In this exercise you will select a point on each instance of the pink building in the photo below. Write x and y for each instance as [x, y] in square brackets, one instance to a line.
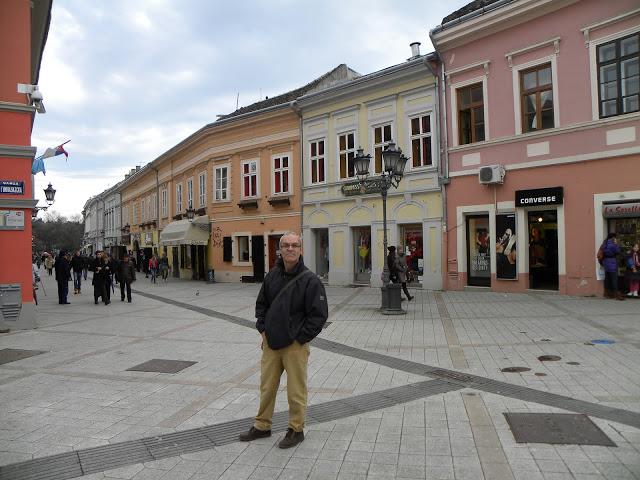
[541, 107]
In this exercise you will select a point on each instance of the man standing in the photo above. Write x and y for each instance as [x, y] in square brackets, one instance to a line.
[291, 309]
[126, 275]
[77, 264]
[100, 272]
[63, 275]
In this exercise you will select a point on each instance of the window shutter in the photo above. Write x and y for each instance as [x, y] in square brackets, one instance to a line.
[226, 249]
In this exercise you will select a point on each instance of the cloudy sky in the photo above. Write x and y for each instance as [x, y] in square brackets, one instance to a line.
[125, 81]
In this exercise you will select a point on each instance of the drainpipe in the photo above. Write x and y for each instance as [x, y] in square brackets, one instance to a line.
[157, 207]
[295, 108]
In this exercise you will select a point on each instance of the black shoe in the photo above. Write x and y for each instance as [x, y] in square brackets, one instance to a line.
[254, 434]
[291, 439]
[107, 302]
[410, 298]
[96, 302]
[129, 300]
[122, 299]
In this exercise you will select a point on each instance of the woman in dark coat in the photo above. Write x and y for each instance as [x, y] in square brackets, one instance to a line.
[100, 275]
[126, 275]
[610, 264]
[63, 275]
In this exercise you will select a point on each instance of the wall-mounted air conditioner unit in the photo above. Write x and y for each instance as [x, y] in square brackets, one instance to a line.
[491, 174]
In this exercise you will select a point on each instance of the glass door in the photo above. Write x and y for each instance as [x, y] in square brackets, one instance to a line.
[362, 254]
[478, 251]
[322, 253]
[411, 236]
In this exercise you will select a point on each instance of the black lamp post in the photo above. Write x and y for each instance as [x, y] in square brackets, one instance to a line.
[50, 194]
[394, 164]
[191, 213]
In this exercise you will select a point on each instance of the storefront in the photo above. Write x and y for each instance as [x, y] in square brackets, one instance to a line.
[188, 240]
[623, 218]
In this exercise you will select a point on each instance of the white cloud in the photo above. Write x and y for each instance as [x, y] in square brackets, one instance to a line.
[141, 20]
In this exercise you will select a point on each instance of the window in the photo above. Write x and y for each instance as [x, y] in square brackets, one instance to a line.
[536, 98]
[190, 193]
[316, 158]
[346, 153]
[250, 178]
[381, 136]
[164, 203]
[154, 206]
[221, 185]
[202, 185]
[421, 141]
[142, 211]
[149, 217]
[281, 174]
[178, 198]
[243, 248]
[135, 214]
[470, 114]
[619, 76]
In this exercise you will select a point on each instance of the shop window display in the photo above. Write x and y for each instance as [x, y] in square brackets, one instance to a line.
[628, 234]
[413, 248]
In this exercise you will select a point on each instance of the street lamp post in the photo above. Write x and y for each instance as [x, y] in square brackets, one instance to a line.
[50, 194]
[190, 213]
[394, 163]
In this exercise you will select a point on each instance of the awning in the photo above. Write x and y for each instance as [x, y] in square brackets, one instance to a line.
[184, 232]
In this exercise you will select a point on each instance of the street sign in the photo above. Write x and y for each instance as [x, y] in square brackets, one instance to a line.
[11, 187]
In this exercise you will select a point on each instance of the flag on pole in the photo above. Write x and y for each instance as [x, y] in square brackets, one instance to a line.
[38, 162]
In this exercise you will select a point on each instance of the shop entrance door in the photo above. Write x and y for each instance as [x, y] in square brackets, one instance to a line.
[543, 250]
[411, 236]
[322, 252]
[274, 250]
[257, 257]
[478, 251]
[175, 268]
[362, 255]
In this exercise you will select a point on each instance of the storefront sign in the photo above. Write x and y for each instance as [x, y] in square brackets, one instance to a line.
[148, 238]
[506, 246]
[621, 210]
[539, 196]
[11, 220]
[354, 188]
[11, 187]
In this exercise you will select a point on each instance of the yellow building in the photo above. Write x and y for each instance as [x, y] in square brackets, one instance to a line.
[342, 227]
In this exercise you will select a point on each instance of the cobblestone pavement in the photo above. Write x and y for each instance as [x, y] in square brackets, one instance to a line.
[79, 395]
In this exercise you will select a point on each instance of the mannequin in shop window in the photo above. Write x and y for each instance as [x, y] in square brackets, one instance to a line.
[537, 255]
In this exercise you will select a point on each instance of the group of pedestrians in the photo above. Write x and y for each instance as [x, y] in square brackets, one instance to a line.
[608, 255]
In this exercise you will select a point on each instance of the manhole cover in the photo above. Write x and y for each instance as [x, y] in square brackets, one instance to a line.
[556, 428]
[603, 341]
[162, 366]
[515, 369]
[573, 363]
[8, 355]
[549, 358]
[540, 374]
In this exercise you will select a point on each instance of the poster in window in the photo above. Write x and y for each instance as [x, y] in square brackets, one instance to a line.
[506, 253]
[479, 252]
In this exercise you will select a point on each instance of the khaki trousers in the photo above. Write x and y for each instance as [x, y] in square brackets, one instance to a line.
[292, 359]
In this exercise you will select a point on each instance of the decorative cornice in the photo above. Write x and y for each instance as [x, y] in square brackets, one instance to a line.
[16, 107]
[17, 151]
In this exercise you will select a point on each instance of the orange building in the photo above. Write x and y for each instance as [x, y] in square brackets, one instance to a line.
[23, 33]
[239, 177]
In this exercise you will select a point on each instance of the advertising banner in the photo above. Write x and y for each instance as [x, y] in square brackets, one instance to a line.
[506, 256]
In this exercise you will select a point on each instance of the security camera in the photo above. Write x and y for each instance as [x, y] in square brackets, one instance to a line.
[39, 106]
[36, 95]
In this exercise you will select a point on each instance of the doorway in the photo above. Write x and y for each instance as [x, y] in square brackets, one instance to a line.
[274, 250]
[362, 255]
[478, 251]
[322, 252]
[543, 249]
[412, 244]
[257, 257]
[175, 260]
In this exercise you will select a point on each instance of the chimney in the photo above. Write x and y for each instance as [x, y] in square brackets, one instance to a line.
[415, 50]
[138, 166]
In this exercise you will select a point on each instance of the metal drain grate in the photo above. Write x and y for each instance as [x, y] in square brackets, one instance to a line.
[556, 428]
[160, 365]
[106, 457]
[8, 355]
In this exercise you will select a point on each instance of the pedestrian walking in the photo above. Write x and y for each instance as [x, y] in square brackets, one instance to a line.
[633, 271]
[86, 265]
[291, 309]
[100, 273]
[392, 265]
[48, 264]
[63, 276]
[153, 268]
[610, 263]
[402, 267]
[126, 275]
[77, 264]
[164, 267]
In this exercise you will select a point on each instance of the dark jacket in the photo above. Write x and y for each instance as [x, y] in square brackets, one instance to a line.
[611, 252]
[100, 270]
[77, 263]
[298, 314]
[63, 271]
[126, 272]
